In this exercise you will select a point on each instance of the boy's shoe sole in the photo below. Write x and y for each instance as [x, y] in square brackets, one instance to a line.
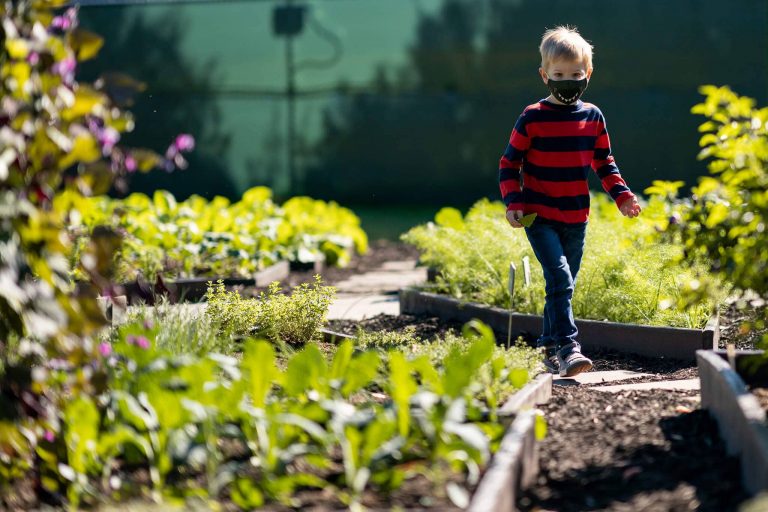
[577, 367]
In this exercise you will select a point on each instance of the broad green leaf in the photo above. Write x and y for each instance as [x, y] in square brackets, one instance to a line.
[85, 44]
[460, 368]
[341, 360]
[111, 444]
[21, 71]
[402, 387]
[84, 149]
[362, 369]
[82, 430]
[17, 48]
[260, 370]
[518, 377]
[381, 439]
[717, 214]
[307, 370]
[429, 375]
[86, 99]
[146, 160]
[246, 495]
[527, 220]
[164, 202]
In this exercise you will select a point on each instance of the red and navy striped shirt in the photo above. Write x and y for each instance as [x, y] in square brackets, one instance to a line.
[555, 146]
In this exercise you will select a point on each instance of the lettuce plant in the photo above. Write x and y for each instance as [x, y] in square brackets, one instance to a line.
[197, 237]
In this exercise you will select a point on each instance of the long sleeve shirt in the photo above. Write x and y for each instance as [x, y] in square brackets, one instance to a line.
[553, 147]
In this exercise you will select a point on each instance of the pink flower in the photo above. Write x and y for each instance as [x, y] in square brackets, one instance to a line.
[130, 164]
[184, 142]
[140, 341]
[108, 137]
[66, 21]
[48, 436]
[105, 349]
[33, 58]
[65, 68]
[148, 323]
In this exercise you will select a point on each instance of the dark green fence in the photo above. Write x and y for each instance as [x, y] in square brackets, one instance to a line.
[412, 102]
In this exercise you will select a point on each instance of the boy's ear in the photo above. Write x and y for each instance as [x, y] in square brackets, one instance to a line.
[589, 73]
[543, 75]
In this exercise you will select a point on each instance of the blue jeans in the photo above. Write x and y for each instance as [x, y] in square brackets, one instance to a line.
[559, 248]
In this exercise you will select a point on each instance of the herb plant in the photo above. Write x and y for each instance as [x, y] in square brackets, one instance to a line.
[279, 317]
[627, 273]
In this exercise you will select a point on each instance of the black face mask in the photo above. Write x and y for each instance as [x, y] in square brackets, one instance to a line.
[567, 91]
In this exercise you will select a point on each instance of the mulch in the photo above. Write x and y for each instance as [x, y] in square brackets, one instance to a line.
[632, 451]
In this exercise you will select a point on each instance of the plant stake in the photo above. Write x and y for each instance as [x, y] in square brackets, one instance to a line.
[512, 270]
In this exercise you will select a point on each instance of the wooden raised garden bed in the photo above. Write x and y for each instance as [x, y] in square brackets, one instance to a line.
[515, 465]
[670, 342]
[193, 289]
[740, 417]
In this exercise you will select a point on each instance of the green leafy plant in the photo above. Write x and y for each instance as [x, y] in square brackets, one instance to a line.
[197, 237]
[60, 137]
[385, 340]
[725, 219]
[181, 329]
[312, 423]
[628, 274]
[279, 317]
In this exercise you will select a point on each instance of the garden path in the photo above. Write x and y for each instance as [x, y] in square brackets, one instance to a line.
[375, 292]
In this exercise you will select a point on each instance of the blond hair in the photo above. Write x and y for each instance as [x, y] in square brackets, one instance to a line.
[564, 42]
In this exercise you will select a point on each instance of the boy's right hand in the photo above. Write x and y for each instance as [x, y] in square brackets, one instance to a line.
[513, 216]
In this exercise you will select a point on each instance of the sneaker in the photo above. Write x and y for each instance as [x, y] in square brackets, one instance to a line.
[573, 363]
[550, 359]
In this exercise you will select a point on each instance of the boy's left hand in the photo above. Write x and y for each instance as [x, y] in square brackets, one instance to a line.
[630, 207]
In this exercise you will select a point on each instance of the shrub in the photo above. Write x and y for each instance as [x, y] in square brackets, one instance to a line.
[726, 219]
[724, 222]
[281, 318]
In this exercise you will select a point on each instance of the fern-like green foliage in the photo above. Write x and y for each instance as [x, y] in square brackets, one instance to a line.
[627, 273]
[279, 317]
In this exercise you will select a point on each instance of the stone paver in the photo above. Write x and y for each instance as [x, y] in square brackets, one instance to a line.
[390, 277]
[687, 384]
[598, 377]
[358, 307]
[375, 293]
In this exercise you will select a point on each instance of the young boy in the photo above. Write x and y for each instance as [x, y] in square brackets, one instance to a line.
[554, 143]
